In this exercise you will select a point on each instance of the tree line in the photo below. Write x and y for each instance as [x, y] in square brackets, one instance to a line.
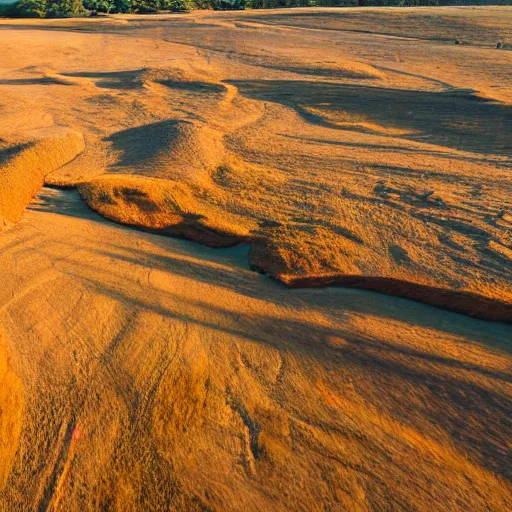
[74, 8]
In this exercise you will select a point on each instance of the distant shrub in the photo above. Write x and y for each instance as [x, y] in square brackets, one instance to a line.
[24, 9]
[105, 6]
[44, 9]
[64, 8]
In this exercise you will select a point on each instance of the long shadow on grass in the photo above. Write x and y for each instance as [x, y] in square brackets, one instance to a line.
[476, 418]
[33, 81]
[455, 119]
[235, 275]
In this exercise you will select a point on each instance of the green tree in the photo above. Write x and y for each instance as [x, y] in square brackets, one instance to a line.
[24, 9]
[64, 8]
[173, 5]
[100, 5]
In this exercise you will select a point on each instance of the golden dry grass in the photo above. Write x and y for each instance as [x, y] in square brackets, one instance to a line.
[163, 207]
[11, 413]
[161, 375]
[24, 165]
[372, 158]
[145, 373]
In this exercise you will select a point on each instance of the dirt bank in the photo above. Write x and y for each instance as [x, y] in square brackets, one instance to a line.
[24, 165]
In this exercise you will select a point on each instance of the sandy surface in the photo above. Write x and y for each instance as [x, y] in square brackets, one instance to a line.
[142, 372]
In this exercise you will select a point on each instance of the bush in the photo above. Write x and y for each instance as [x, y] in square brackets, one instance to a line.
[100, 5]
[44, 9]
[64, 8]
[24, 9]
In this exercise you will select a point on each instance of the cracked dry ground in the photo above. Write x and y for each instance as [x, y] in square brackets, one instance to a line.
[145, 373]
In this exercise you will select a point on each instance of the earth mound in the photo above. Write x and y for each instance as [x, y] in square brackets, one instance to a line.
[24, 165]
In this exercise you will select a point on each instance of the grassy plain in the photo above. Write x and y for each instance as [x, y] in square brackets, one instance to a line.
[360, 146]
